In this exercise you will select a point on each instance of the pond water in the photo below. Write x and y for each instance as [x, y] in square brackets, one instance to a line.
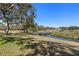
[56, 37]
[49, 36]
[59, 38]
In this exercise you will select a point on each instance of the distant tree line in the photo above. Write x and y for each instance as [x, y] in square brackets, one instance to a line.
[69, 28]
[42, 27]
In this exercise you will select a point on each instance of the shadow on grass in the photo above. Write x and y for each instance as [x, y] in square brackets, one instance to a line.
[6, 40]
[42, 48]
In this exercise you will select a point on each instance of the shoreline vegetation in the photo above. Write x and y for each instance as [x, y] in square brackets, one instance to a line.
[70, 35]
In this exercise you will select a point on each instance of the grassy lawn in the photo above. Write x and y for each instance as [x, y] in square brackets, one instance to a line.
[9, 49]
[36, 45]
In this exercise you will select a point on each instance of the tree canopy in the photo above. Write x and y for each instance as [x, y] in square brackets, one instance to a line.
[14, 13]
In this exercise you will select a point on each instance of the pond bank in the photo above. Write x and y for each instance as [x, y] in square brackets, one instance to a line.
[43, 38]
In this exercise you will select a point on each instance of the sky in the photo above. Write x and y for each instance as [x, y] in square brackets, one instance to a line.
[57, 14]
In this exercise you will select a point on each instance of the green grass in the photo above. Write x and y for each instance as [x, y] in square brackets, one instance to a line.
[9, 49]
[9, 46]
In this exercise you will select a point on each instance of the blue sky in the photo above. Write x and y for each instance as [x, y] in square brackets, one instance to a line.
[57, 14]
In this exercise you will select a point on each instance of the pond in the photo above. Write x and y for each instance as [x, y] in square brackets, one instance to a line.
[60, 38]
[57, 38]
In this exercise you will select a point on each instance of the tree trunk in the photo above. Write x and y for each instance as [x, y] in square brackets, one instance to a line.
[7, 23]
[26, 31]
[7, 28]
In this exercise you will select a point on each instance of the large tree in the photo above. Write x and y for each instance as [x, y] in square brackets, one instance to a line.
[23, 12]
[27, 17]
[6, 10]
